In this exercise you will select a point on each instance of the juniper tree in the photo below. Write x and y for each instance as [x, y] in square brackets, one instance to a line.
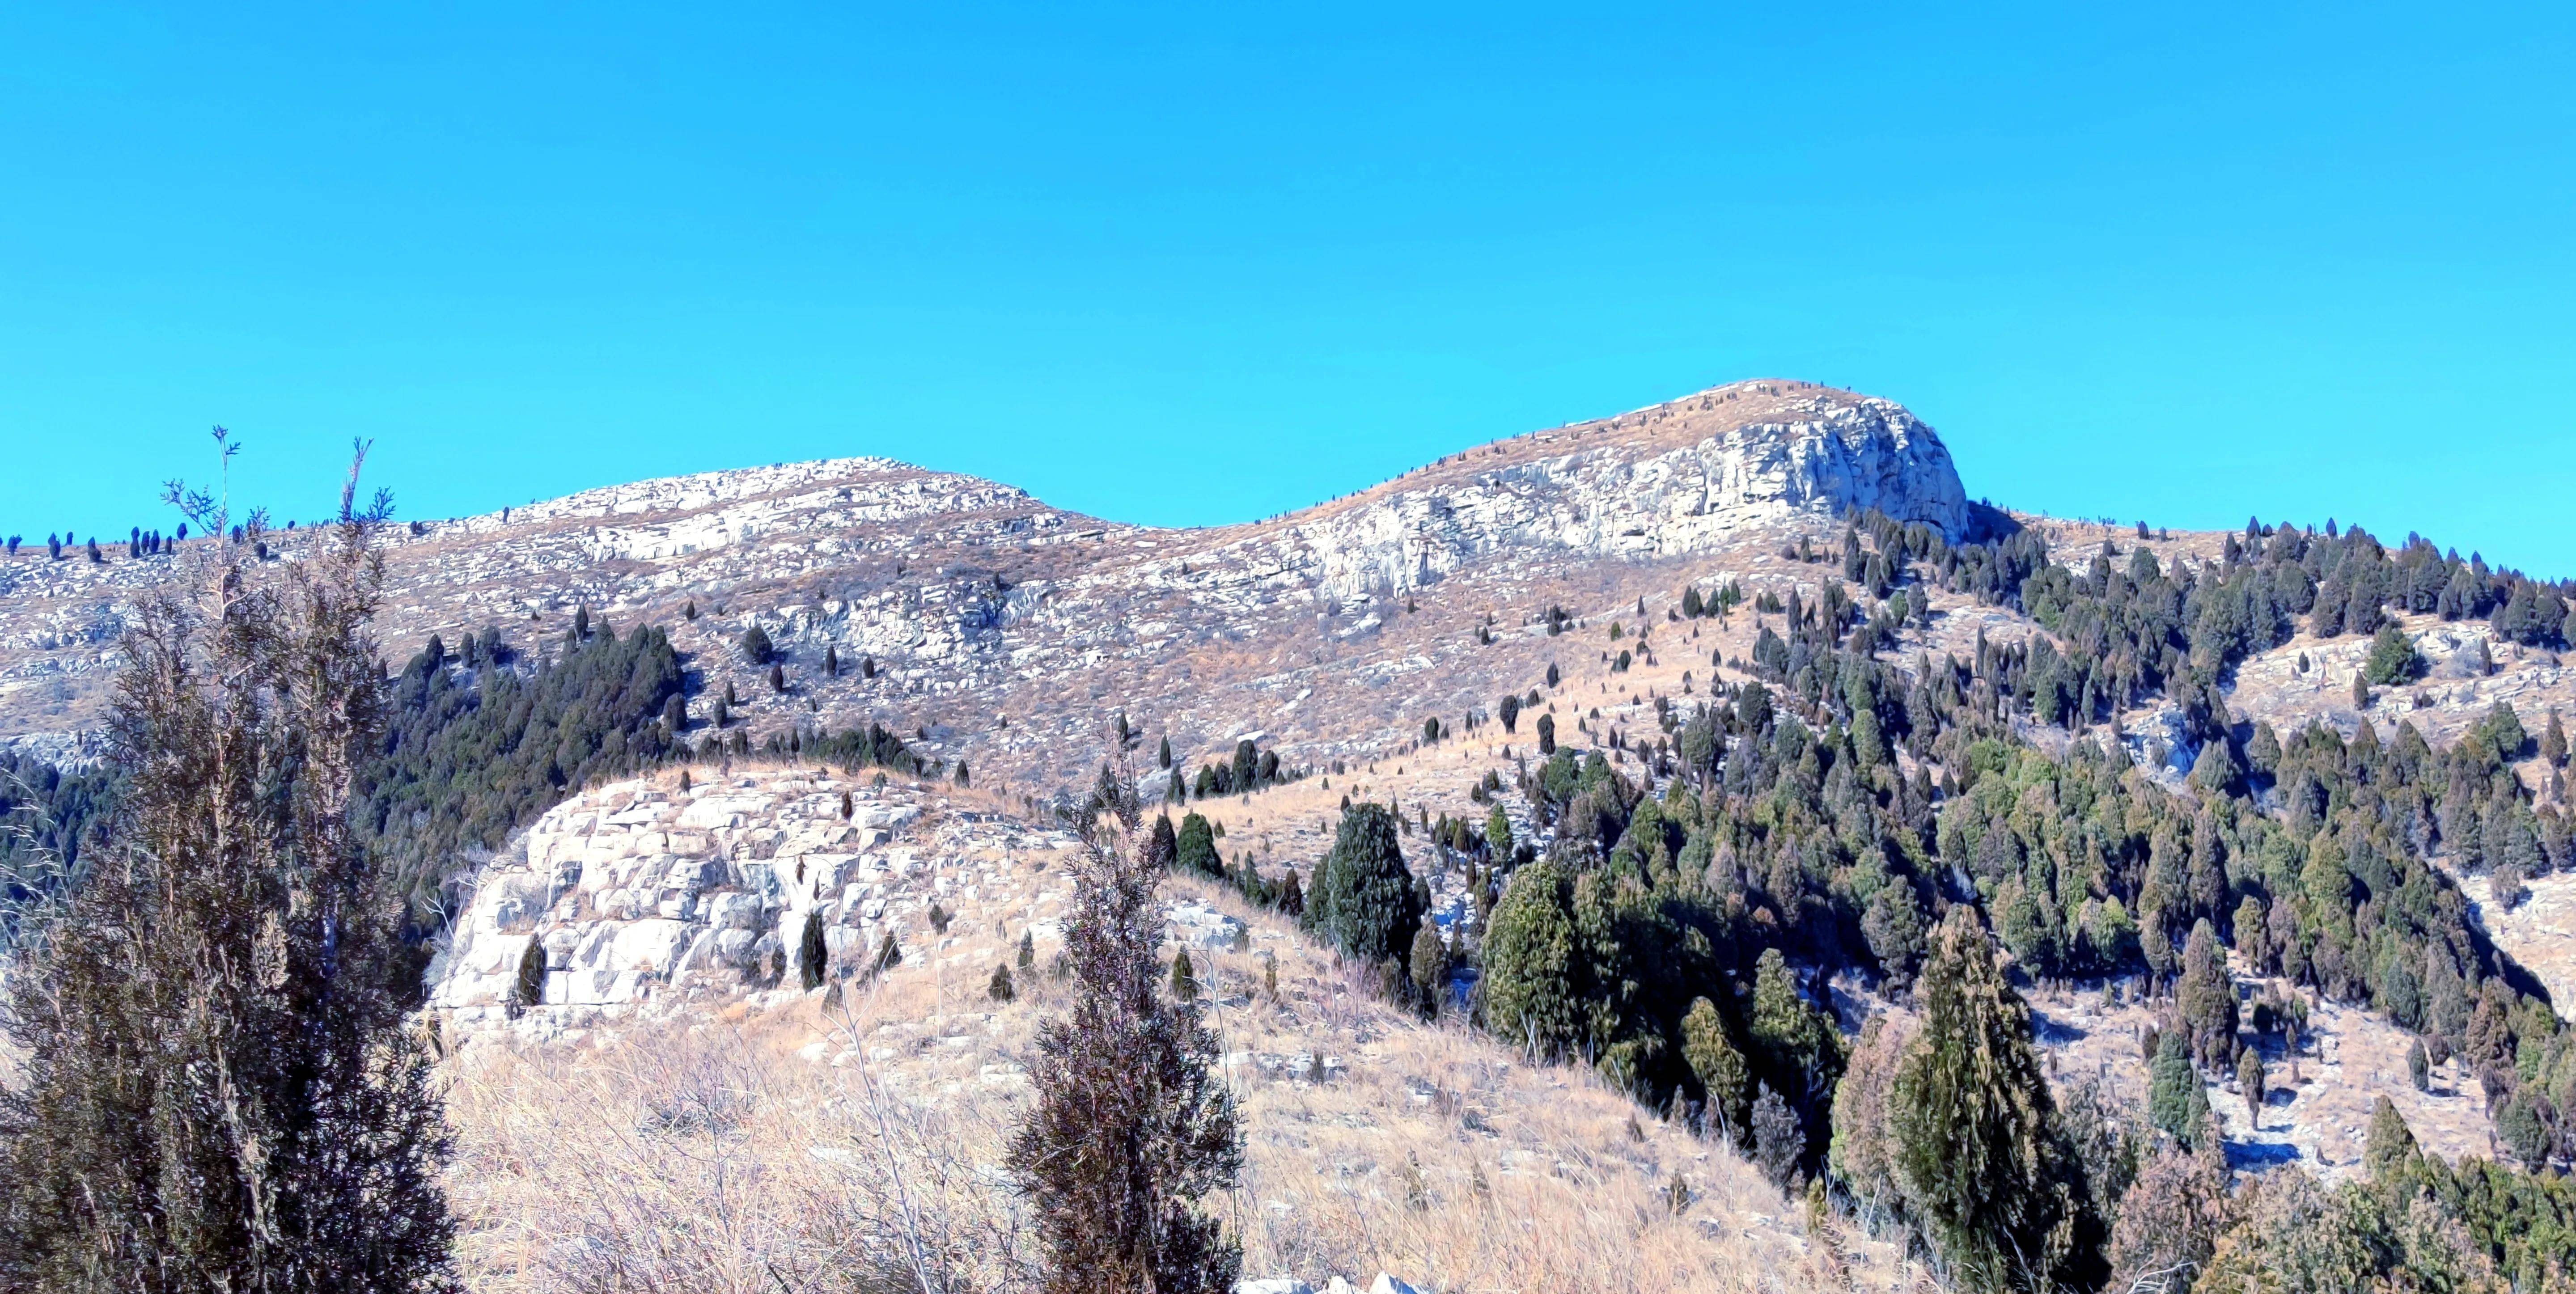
[1976, 1131]
[812, 958]
[756, 646]
[216, 1088]
[1131, 1128]
[1364, 898]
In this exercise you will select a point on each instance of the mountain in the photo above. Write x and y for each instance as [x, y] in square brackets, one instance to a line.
[979, 606]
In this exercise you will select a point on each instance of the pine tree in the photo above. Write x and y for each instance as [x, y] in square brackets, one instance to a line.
[1000, 988]
[1975, 1129]
[1185, 979]
[2249, 1083]
[1163, 756]
[756, 646]
[2393, 660]
[1509, 711]
[1547, 734]
[1131, 1128]
[215, 1085]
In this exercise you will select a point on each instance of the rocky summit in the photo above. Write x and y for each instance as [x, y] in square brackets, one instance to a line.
[996, 630]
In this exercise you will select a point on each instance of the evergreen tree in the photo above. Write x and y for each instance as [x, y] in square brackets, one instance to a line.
[1163, 757]
[2249, 1084]
[2393, 661]
[756, 646]
[1185, 979]
[812, 959]
[1428, 966]
[1975, 1129]
[1000, 988]
[2389, 1142]
[1547, 734]
[2206, 997]
[215, 1086]
[1724, 1080]
[1509, 711]
[2177, 1104]
[1194, 848]
[1364, 898]
[1131, 1127]
[1529, 962]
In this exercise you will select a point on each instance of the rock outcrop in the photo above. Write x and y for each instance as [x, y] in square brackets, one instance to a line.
[643, 895]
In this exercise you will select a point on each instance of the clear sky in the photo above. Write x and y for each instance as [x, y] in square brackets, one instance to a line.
[1195, 264]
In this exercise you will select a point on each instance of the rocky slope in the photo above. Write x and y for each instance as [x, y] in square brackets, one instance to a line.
[668, 1119]
[1006, 629]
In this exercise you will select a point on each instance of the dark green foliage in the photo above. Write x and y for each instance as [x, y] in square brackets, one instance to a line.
[1509, 711]
[529, 988]
[1185, 979]
[1363, 902]
[48, 818]
[466, 759]
[2419, 1067]
[812, 958]
[1131, 1127]
[1976, 1135]
[1427, 965]
[1000, 988]
[1547, 734]
[2177, 1104]
[2393, 661]
[1028, 955]
[1193, 847]
[756, 647]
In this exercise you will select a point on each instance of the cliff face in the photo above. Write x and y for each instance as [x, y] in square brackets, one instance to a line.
[1630, 497]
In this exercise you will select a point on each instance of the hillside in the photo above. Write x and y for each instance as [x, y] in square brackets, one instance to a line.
[1700, 729]
[714, 1115]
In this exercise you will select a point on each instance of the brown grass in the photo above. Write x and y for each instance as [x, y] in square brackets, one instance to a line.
[784, 1147]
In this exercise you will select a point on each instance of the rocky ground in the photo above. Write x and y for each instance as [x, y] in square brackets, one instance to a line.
[2318, 1100]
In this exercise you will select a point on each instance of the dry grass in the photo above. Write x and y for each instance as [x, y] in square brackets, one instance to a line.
[784, 1147]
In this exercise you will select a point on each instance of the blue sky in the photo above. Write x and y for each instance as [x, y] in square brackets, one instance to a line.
[1194, 264]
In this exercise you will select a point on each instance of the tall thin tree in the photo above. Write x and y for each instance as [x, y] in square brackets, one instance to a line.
[1132, 1127]
[217, 1088]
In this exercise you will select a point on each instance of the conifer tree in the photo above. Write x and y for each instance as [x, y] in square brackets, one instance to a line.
[1975, 1129]
[216, 1088]
[1428, 967]
[2176, 1103]
[1715, 1061]
[812, 958]
[1131, 1127]
[1364, 899]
